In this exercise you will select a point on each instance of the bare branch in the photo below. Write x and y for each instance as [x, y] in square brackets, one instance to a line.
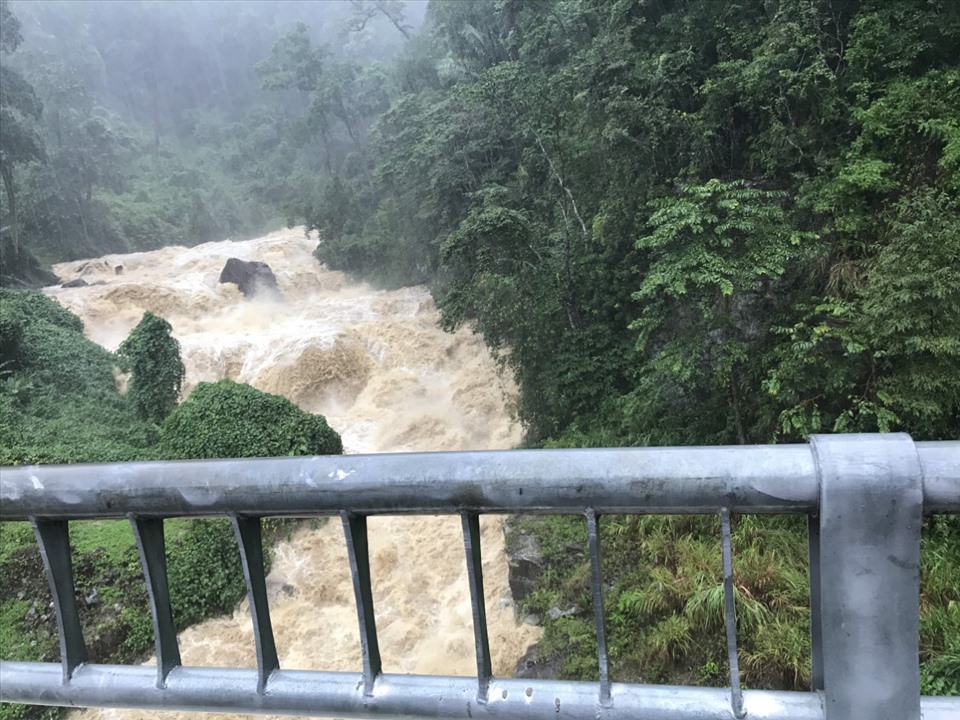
[556, 174]
[366, 10]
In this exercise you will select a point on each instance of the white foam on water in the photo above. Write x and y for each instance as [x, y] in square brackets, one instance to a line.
[377, 365]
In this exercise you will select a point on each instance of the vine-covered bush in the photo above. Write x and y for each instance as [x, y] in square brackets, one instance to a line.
[230, 420]
[11, 336]
[153, 358]
[58, 396]
[37, 306]
[205, 574]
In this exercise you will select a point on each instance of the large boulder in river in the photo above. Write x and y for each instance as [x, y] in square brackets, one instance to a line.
[250, 276]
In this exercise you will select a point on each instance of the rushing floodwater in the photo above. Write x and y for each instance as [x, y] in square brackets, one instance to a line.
[376, 364]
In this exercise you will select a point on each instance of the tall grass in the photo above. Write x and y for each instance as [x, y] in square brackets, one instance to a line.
[664, 599]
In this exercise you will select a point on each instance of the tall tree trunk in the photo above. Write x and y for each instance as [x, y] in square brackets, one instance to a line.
[325, 136]
[735, 405]
[156, 119]
[83, 223]
[395, 20]
[573, 310]
[734, 378]
[345, 117]
[7, 171]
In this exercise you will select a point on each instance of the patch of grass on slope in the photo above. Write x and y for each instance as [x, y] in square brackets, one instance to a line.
[664, 600]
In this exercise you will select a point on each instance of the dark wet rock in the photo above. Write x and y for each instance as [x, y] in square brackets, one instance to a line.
[525, 562]
[535, 666]
[75, 283]
[118, 270]
[252, 277]
[94, 267]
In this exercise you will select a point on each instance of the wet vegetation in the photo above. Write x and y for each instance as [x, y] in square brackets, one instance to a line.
[59, 403]
[204, 575]
[677, 222]
[664, 600]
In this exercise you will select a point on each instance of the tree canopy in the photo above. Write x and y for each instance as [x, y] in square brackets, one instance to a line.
[681, 222]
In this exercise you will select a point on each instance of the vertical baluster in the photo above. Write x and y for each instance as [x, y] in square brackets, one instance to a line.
[730, 616]
[593, 536]
[148, 532]
[816, 619]
[471, 540]
[53, 537]
[250, 541]
[358, 548]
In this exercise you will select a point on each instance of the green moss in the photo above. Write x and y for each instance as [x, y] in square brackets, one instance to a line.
[204, 572]
[13, 535]
[112, 538]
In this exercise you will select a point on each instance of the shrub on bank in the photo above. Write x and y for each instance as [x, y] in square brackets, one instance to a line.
[231, 420]
[152, 355]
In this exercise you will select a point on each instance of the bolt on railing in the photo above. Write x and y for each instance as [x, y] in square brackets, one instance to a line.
[864, 495]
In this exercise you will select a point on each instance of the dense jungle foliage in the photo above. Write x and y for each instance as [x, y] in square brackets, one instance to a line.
[152, 357]
[675, 221]
[689, 222]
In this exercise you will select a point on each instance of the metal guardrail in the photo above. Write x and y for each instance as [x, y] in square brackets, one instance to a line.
[864, 496]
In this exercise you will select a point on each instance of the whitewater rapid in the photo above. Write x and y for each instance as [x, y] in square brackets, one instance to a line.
[376, 364]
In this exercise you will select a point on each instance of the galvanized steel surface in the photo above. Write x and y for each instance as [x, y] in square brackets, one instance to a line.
[940, 462]
[413, 696]
[871, 500]
[869, 491]
[304, 693]
[764, 478]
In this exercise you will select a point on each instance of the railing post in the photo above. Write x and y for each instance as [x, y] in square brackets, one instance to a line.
[871, 503]
[148, 533]
[358, 550]
[53, 536]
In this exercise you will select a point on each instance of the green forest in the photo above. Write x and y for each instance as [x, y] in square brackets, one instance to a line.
[676, 222]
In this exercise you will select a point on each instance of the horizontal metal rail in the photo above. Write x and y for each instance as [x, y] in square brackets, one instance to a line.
[746, 479]
[864, 494]
[298, 692]
[295, 692]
